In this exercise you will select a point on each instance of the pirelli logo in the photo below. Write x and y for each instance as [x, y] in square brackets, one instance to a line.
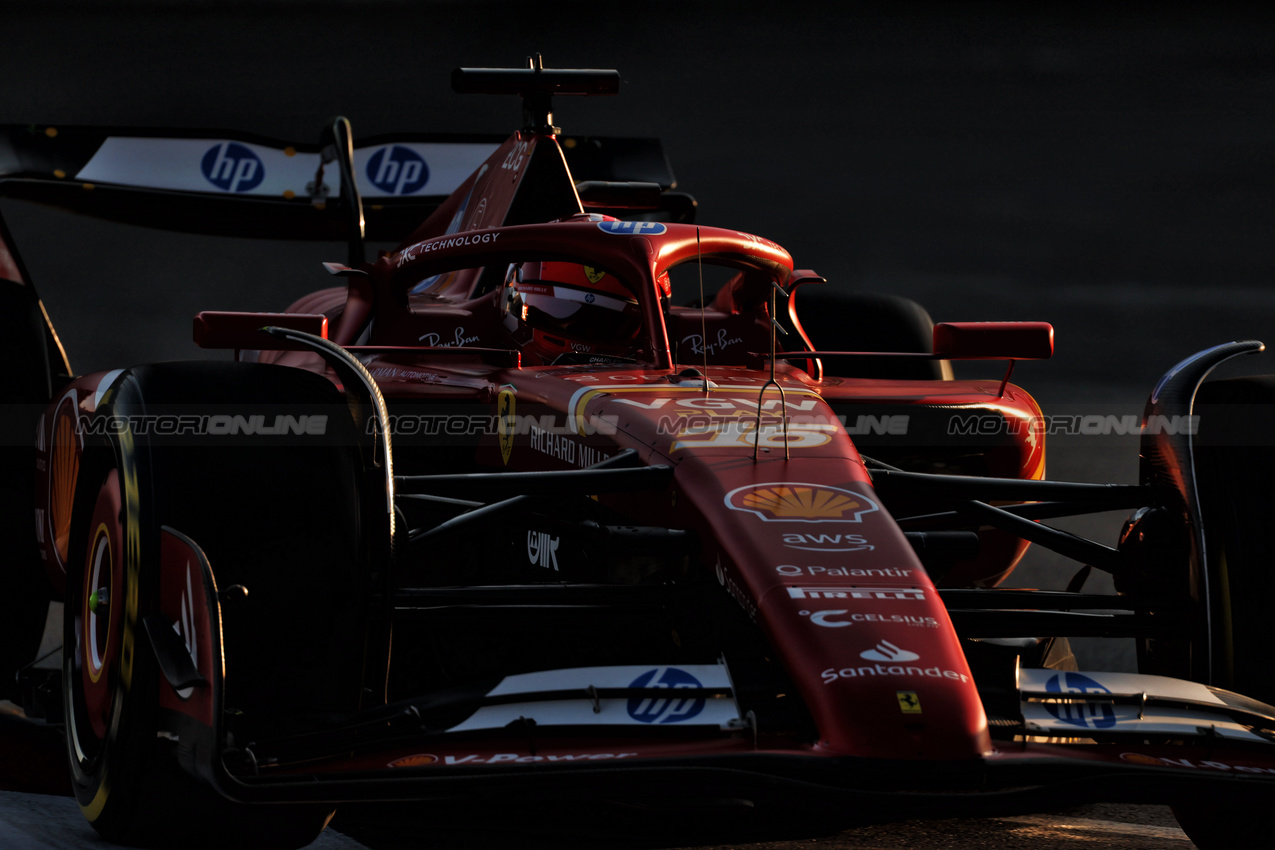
[915, 594]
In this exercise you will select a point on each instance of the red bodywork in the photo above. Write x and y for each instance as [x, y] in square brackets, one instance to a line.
[766, 474]
[879, 592]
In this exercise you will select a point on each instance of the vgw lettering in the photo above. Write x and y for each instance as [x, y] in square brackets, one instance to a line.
[740, 405]
[733, 433]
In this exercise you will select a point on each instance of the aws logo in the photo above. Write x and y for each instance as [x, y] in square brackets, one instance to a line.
[397, 170]
[795, 502]
[232, 167]
[828, 542]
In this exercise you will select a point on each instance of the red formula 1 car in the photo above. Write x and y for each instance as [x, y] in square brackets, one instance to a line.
[561, 499]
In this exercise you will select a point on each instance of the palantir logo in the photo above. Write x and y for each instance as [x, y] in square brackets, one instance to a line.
[1097, 715]
[661, 709]
[397, 170]
[232, 167]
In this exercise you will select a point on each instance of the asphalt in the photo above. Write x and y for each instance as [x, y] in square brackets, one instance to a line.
[47, 822]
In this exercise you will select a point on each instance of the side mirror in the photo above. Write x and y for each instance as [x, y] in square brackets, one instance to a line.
[216, 329]
[994, 340]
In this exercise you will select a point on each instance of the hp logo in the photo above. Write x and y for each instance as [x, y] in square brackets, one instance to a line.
[633, 228]
[1095, 715]
[397, 170]
[232, 167]
[665, 709]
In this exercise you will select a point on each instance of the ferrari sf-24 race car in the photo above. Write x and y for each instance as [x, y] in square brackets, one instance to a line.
[564, 498]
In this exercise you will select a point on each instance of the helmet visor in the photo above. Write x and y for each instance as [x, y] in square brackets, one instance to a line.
[577, 314]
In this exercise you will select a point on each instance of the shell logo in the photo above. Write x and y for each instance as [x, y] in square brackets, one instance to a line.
[798, 502]
[418, 760]
[1140, 758]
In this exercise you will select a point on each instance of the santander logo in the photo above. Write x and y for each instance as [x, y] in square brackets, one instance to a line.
[886, 651]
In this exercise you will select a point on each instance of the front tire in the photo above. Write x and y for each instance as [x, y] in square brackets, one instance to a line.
[1234, 461]
[1223, 825]
[858, 321]
[278, 517]
[30, 377]
[1235, 465]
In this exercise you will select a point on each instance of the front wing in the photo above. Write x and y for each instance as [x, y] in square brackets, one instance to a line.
[663, 733]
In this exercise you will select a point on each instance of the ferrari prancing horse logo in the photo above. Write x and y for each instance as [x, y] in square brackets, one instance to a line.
[505, 423]
[909, 703]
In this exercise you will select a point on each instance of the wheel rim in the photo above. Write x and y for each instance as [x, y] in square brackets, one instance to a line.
[98, 622]
[64, 464]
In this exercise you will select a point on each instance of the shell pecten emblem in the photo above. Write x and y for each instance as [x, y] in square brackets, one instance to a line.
[782, 501]
[417, 760]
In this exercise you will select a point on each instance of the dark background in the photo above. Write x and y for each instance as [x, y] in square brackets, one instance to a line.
[1107, 171]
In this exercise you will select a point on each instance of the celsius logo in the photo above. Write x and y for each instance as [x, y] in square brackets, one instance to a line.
[824, 618]
[660, 709]
[232, 167]
[886, 651]
[397, 170]
[632, 228]
[1097, 715]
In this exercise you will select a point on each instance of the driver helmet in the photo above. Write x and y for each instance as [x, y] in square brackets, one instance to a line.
[555, 308]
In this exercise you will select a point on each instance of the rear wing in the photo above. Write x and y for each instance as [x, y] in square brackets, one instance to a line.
[383, 188]
[237, 184]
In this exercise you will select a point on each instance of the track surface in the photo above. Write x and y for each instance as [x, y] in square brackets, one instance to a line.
[39, 822]
[1110, 173]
